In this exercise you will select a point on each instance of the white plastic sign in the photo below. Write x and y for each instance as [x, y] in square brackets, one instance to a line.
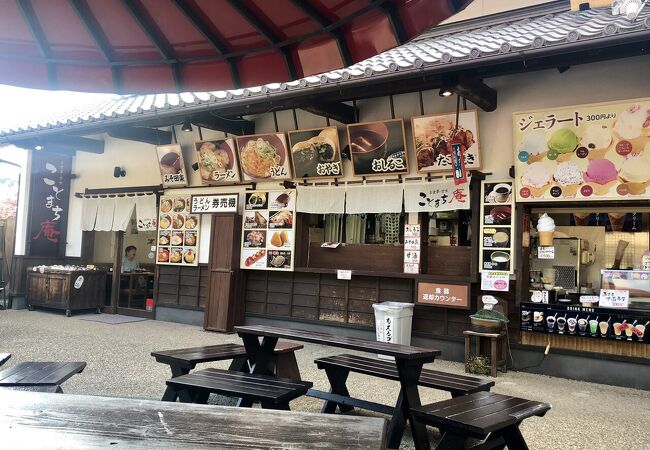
[546, 253]
[344, 274]
[614, 298]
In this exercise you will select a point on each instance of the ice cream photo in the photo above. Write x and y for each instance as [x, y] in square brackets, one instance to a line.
[537, 178]
[633, 126]
[602, 175]
[569, 176]
[635, 172]
[546, 230]
[563, 143]
[534, 144]
[597, 139]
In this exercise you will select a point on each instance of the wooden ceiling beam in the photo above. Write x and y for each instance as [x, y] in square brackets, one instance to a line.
[336, 111]
[477, 92]
[61, 143]
[147, 135]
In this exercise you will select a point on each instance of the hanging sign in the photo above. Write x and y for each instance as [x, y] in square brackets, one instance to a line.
[435, 197]
[172, 165]
[412, 244]
[269, 230]
[214, 203]
[48, 203]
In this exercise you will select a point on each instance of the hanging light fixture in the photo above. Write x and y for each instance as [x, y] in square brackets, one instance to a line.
[446, 90]
[187, 125]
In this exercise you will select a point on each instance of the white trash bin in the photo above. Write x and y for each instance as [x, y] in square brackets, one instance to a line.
[393, 322]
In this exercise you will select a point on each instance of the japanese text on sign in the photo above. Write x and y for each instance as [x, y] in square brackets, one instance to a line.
[175, 178]
[436, 197]
[446, 295]
[207, 204]
[614, 298]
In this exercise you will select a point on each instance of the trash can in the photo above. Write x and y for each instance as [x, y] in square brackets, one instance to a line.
[393, 322]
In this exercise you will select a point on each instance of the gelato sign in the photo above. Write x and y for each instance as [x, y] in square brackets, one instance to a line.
[587, 152]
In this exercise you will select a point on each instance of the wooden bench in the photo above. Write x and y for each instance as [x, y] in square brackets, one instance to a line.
[479, 416]
[181, 361]
[50, 374]
[338, 367]
[45, 388]
[271, 392]
[4, 357]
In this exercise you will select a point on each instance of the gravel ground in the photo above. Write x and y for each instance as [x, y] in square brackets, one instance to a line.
[584, 415]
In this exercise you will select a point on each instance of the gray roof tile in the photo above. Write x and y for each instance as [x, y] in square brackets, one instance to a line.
[432, 49]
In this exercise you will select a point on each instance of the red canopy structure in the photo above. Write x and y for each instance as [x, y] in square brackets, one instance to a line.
[147, 46]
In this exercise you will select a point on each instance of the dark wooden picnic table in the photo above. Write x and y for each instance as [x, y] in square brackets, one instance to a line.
[40, 374]
[408, 359]
[4, 357]
[44, 421]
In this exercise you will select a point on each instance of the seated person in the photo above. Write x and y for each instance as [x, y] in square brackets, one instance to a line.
[129, 264]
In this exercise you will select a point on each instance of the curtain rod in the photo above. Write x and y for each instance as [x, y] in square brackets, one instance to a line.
[114, 195]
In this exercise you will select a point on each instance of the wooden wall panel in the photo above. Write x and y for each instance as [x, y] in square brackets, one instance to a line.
[182, 287]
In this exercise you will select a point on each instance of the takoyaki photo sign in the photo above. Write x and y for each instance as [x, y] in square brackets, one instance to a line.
[269, 230]
[178, 232]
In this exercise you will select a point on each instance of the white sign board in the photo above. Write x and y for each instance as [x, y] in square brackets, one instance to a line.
[545, 252]
[614, 298]
[495, 280]
[214, 203]
[344, 274]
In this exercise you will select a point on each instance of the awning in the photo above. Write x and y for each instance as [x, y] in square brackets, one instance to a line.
[147, 46]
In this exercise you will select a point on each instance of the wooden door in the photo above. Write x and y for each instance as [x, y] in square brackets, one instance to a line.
[224, 306]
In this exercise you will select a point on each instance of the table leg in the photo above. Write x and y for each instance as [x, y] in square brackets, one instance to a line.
[260, 356]
[286, 366]
[239, 364]
[337, 378]
[171, 394]
[514, 439]
[284, 406]
[409, 374]
[451, 441]
[468, 351]
[504, 353]
[493, 356]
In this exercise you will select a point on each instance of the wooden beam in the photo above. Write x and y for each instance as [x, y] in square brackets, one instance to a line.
[151, 136]
[336, 111]
[142, 20]
[236, 126]
[210, 35]
[94, 30]
[61, 143]
[477, 92]
[393, 17]
[27, 11]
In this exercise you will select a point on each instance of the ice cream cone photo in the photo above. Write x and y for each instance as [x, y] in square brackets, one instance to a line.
[538, 192]
[546, 238]
[570, 191]
[602, 189]
[545, 230]
[564, 157]
[536, 158]
[616, 220]
[597, 153]
[638, 143]
[637, 188]
[635, 173]
[537, 178]
[632, 126]
[597, 139]
[581, 219]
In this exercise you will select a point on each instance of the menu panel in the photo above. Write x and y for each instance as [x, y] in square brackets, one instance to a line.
[178, 232]
[497, 207]
[268, 230]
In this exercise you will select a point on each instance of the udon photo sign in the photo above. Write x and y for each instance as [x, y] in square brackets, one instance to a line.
[378, 148]
[587, 152]
[315, 153]
[217, 161]
[264, 157]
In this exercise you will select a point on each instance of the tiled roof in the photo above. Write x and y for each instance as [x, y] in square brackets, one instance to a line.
[432, 52]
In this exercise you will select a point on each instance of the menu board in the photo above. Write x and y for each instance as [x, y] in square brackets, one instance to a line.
[574, 320]
[172, 165]
[378, 148]
[268, 230]
[587, 152]
[263, 157]
[178, 232]
[217, 161]
[496, 251]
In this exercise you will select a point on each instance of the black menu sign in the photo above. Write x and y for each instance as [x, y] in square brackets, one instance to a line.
[48, 204]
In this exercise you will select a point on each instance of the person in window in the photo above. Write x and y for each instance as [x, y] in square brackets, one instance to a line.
[129, 263]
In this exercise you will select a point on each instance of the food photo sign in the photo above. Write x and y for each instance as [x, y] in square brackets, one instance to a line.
[268, 230]
[378, 148]
[217, 161]
[172, 165]
[264, 157]
[433, 136]
[587, 152]
[178, 232]
[316, 153]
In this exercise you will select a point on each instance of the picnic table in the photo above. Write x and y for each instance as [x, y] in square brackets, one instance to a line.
[34, 420]
[408, 360]
[43, 374]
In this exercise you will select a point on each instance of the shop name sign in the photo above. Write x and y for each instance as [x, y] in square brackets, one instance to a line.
[436, 196]
[444, 295]
[214, 203]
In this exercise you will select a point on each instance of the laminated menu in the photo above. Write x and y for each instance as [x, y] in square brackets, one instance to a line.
[268, 230]
[178, 232]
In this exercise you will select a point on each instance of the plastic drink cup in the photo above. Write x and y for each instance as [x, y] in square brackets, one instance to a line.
[603, 327]
[561, 322]
[582, 324]
[550, 323]
[629, 331]
[640, 331]
[593, 326]
[572, 323]
[618, 329]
